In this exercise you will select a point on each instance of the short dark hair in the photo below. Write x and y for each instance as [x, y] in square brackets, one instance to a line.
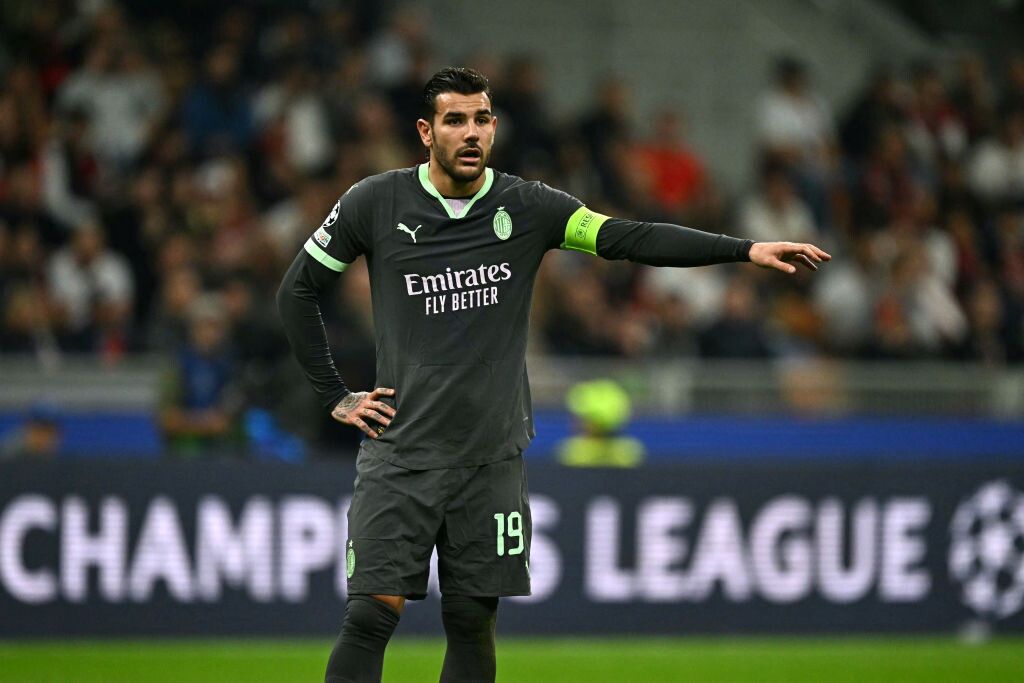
[457, 79]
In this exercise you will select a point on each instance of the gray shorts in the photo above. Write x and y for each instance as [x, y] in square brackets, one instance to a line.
[478, 517]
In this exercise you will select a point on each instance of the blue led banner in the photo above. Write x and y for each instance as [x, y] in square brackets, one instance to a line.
[129, 548]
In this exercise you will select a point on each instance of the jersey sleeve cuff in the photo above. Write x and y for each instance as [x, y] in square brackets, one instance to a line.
[743, 251]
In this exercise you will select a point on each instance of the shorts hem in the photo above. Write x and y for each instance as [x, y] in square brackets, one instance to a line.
[509, 593]
[402, 593]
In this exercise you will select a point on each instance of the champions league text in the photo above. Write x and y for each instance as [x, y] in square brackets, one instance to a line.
[456, 286]
[661, 549]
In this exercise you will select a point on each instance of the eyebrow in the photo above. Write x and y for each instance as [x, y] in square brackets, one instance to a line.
[459, 113]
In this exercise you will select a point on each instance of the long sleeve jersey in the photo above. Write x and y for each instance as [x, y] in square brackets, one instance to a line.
[451, 299]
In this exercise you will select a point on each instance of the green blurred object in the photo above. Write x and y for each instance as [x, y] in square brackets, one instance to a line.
[601, 404]
[601, 451]
[624, 660]
[602, 409]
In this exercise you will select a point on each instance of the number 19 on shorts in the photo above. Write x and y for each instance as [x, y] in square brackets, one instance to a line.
[510, 526]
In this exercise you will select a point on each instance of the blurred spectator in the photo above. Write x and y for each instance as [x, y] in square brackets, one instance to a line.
[168, 326]
[677, 174]
[1009, 242]
[294, 104]
[527, 136]
[935, 130]
[93, 291]
[739, 331]
[996, 169]
[991, 337]
[776, 213]
[577, 174]
[70, 172]
[975, 96]
[391, 51]
[15, 141]
[122, 96]
[579, 322]
[685, 300]
[256, 336]
[1014, 94]
[26, 311]
[38, 439]
[843, 296]
[606, 128]
[23, 204]
[376, 141]
[21, 83]
[877, 108]
[26, 321]
[916, 313]
[795, 126]
[970, 254]
[216, 112]
[406, 97]
[199, 403]
[290, 222]
[887, 184]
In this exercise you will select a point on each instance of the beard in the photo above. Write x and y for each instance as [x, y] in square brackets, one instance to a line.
[449, 163]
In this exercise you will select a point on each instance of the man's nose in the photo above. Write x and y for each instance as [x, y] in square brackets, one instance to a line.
[472, 132]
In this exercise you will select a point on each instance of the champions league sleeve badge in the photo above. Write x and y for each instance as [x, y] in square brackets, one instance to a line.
[322, 237]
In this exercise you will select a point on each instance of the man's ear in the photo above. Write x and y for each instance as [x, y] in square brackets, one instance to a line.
[426, 134]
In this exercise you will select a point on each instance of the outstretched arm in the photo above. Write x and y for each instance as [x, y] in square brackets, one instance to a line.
[663, 244]
[298, 303]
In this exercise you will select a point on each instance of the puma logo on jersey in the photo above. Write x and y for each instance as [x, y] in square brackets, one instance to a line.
[412, 233]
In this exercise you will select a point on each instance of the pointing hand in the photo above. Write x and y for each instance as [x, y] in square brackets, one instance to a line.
[778, 255]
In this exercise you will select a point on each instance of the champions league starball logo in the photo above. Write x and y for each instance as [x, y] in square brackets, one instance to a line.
[986, 553]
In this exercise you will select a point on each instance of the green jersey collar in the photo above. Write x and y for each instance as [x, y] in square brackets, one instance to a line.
[429, 187]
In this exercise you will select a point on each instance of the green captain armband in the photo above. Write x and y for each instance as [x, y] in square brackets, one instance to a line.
[581, 230]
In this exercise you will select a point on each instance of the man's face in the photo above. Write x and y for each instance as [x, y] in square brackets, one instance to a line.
[461, 135]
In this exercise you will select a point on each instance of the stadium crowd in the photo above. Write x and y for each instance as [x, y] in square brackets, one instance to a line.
[156, 180]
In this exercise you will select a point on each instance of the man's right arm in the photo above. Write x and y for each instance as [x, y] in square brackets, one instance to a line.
[298, 301]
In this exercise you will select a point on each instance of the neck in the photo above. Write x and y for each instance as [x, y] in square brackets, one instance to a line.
[448, 186]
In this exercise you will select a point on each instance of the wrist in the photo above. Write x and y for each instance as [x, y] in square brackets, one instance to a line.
[334, 402]
[743, 252]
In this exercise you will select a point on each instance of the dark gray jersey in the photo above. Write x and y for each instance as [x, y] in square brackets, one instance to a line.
[451, 304]
[451, 301]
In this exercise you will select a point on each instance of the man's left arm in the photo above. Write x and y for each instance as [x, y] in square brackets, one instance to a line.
[664, 244]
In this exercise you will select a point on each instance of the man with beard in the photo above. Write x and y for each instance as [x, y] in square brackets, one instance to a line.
[452, 249]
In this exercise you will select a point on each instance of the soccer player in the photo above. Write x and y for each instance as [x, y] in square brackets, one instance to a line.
[452, 247]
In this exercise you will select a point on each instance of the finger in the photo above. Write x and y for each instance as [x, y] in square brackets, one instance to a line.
[822, 254]
[805, 261]
[779, 265]
[381, 391]
[382, 408]
[356, 422]
[368, 413]
[809, 252]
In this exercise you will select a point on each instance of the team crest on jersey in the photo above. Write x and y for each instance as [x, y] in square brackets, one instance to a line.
[502, 223]
[350, 560]
[322, 237]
